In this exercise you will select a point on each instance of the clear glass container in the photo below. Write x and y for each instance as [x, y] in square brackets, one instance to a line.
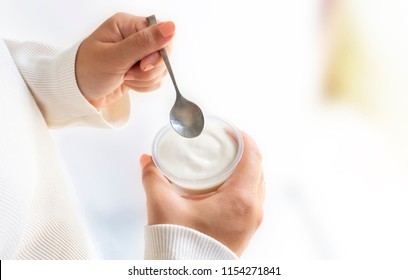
[176, 146]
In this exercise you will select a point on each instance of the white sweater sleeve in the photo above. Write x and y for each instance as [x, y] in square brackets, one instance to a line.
[173, 242]
[50, 76]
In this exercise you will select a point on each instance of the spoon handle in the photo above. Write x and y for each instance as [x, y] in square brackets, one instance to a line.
[151, 20]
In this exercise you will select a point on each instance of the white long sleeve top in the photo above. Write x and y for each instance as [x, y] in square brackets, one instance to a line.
[38, 219]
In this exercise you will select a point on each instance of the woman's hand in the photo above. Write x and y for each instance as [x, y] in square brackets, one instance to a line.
[231, 214]
[121, 54]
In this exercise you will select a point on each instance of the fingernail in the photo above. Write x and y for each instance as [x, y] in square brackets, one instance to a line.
[148, 67]
[167, 29]
[144, 160]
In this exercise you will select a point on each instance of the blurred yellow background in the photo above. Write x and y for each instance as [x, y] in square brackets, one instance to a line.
[366, 65]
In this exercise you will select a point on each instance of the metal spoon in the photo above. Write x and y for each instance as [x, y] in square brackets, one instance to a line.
[186, 117]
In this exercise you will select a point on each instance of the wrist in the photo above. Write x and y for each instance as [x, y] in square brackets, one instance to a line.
[167, 241]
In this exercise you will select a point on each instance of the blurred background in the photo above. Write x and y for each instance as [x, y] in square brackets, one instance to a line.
[321, 85]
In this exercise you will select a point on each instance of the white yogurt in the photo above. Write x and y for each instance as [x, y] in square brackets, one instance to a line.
[198, 165]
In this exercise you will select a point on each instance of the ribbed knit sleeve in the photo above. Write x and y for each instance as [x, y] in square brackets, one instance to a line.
[50, 76]
[173, 242]
[39, 217]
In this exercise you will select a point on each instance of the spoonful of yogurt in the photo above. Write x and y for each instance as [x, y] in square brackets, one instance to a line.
[186, 117]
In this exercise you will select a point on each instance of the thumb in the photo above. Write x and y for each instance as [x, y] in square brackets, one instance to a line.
[142, 43]
[156, 186]
[160, 198]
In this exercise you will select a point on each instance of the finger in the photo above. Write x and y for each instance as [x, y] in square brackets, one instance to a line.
[261, 187]
[146, 89]
[143, 85]
[249, 169]
[261, 200]
[136, 74]
[154, 59]
[150, 61]
[142, 43]
[136, 83]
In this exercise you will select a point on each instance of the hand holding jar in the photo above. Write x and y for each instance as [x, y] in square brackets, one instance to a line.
[231, 214]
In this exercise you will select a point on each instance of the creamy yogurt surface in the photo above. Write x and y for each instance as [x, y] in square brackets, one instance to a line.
[198, 158]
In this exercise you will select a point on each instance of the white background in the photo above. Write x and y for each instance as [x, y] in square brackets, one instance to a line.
[335, 187]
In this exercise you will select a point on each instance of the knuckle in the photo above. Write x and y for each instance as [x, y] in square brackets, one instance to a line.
[247, 206]
[119, 15]
[114, 19]
[142, 40]
[257, 153]
[251, 147]
[149, 172]
[244, 204]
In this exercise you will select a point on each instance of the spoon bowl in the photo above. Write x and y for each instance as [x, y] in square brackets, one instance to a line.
[186, 118]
